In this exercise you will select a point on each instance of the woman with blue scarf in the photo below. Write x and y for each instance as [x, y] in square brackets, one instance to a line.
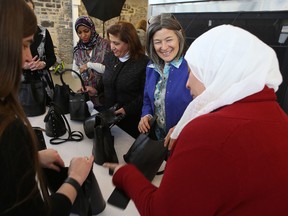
[165, 96]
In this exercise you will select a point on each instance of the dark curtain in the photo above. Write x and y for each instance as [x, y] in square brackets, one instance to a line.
[267, 26]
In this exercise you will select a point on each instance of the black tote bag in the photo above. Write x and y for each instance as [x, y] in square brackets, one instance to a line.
[147, 153]
[78, 107]
[103, 145]
[103, 141]
[61, 95]
[70, 101]
[32, 97]
[106, 118]
[89, 200]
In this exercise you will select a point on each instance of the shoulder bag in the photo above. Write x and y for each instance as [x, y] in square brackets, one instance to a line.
[147, 154]
[32, 97]
[70, 101]
[55, 126]
[89, 200]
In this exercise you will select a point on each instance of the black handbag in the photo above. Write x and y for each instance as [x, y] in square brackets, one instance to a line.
[61, 95]
[89, 200]
[103, 141]
[78, 107]
[56, 126]
[32, 97]
[70, 101]
[147, 154]
[106, 118]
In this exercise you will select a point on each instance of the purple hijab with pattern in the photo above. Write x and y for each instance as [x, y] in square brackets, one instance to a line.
[87, 22]
[97, 47]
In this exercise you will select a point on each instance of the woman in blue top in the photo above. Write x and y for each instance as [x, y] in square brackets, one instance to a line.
[165, 93]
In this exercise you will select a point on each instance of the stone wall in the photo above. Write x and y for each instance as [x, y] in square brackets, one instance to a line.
[56, 15]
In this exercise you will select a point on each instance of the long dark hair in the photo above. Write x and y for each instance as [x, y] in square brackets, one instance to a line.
[13, 28]
[127, 33]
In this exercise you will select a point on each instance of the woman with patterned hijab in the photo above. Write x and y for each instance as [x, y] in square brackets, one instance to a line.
[231, 154]
[88, 56]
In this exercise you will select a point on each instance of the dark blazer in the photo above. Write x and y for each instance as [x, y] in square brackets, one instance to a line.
[124, 84]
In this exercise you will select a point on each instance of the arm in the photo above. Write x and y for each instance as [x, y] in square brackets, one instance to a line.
[148, 89]
[49, 51]
[100, 68]
[78, 170]
[17, 167]
[201, 185]
[19, 179]
[135, 106]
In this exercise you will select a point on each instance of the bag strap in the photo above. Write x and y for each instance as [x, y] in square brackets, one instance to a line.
[72, 135]
[73, 71]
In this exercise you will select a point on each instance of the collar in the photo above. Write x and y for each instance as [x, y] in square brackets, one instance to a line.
[125, 57]
[176, 63]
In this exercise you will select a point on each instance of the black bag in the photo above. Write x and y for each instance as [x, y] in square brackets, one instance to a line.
[106, 118]
[103, 142]
[54, 122]
[55, 126]
[61, 95]
[89, 200]
[103, 145]
[70, 101]
[78, 107]
[147, 153]
[32, 97]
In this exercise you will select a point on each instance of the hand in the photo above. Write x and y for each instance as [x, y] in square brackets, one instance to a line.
[144, 125]
[168, 141]
[26, 66]
[91, 91]
[83, 68]
[120, 111]
[49, 158]
[80, 167]
[113, 166]
[36, 64]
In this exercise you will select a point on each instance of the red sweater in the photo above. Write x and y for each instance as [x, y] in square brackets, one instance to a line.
[233, 161]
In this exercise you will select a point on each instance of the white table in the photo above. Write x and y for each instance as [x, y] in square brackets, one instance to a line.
[68, 150]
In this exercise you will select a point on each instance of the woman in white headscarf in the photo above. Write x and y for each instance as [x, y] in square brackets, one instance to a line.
[230, 69]
[230, 157]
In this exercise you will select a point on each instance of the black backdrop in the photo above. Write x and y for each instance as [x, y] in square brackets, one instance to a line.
[267, 26]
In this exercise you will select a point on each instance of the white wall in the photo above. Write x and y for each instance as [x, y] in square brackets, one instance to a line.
[156, 7]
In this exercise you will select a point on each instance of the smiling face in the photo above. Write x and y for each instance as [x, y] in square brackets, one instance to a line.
[166, 44]
[84, 33]
[118, 47]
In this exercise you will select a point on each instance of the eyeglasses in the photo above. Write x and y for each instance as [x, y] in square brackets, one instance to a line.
[160, 17]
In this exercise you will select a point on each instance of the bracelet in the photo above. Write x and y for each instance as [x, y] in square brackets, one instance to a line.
[73, 182]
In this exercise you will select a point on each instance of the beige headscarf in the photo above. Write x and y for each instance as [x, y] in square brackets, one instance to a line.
[232, 64]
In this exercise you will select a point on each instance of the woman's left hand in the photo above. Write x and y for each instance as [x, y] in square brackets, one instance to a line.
[49, 158]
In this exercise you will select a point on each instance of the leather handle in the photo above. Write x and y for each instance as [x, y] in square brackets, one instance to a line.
[73, 71]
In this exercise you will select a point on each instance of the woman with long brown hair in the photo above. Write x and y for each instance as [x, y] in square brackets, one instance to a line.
[21, 184]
